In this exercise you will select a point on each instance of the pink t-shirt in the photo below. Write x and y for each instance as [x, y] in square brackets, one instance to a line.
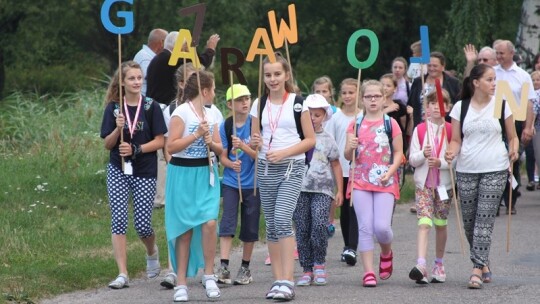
[374, 156]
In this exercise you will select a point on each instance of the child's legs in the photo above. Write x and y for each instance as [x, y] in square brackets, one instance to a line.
[182, 246]
[250, 216]
[118, 191]
[268, 192]
[347, 220]
[144, 192]
[440, 220]
[491, 187]
[229, 220]
[424, 212]
[383, 209]
[363, 205]
[320, 207]
[303, 223]
[209, 243]
[468, 194]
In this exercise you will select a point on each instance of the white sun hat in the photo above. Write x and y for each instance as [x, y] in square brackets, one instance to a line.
[315, 101]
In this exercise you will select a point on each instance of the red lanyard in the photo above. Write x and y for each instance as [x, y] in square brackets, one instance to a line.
[132, 127]
[274, 123]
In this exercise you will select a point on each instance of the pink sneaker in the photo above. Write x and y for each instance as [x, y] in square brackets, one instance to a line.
[438, 275]
[267, 261]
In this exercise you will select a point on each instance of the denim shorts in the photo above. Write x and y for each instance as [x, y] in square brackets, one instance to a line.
[249, 215]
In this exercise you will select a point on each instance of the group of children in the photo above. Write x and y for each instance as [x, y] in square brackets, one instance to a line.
[295, 159]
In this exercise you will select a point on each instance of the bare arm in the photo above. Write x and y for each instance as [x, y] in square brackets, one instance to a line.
[455, 144]
[511, 137]
[307, 143]
[338, 175]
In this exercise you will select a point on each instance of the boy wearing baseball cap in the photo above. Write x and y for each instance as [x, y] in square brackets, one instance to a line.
[238, 158]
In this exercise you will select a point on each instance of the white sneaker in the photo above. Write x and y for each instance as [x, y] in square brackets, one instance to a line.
[181, 294]
[120, 282]
[153, 270]
[169, 281]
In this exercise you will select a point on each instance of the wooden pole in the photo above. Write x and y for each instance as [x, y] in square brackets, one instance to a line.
[120, 97]
[202, 112]
[234, 133]
[259, 88]
[509, 222]
[353, 162]
[289, 60]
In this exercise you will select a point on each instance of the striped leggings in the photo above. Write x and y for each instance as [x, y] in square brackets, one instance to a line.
[279, 188]
[480, 194]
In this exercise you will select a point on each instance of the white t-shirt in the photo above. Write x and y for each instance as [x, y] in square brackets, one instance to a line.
[516, 77]
[286, 134]
[482, 148]
[337, 127]
[198, 148]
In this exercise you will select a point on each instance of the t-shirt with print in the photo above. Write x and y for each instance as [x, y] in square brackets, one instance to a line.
[482, 148]
[319, 177]
[285, 134]
[374, 154]
[230, 177]
[145, 164]
[196, 149]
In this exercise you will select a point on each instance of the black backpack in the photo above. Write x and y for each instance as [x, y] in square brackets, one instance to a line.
[298, 100]
[465, 107]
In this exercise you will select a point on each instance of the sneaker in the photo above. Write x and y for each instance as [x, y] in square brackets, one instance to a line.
[343, 255]
[438, 275]
[331, 229]
[180, 294]
[305, 279]
[243, 277]
[419, 274]
[350, 257]
[153, 269]
[224, 275]
[120, 282]
[169, 281]
[267, 261]
[319, 275]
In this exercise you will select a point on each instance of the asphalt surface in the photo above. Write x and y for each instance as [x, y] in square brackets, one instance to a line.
[516, 274]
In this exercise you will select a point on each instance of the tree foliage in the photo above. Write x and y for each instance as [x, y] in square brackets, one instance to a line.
[61, 45]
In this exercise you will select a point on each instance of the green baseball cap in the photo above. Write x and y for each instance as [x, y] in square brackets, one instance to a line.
[237, 90]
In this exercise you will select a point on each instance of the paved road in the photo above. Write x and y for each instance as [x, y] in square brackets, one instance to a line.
[516, 276]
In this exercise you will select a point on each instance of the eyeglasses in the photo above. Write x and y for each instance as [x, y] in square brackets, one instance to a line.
[373, 97]
[483, 60]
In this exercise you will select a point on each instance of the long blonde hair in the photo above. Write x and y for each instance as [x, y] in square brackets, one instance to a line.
[114, 85]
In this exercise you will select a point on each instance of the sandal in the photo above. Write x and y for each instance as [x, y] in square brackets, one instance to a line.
[386, 273]
[305, 280]
[319, 275]
[181, 294]
[273, 290]
[486, 276]
[475, 284]
[369, 280]
[209, 283]
[120, 282]
[284, 293]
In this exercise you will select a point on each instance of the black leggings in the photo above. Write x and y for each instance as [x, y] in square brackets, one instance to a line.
[348, 223]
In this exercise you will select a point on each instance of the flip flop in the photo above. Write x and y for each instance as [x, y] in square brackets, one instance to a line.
[474, 284]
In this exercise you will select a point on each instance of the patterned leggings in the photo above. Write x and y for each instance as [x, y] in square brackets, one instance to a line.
[143, 189]
[310, 219]
[480, 194]
[279, 190]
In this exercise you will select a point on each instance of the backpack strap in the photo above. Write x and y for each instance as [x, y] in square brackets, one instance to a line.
[388, 130]
[297, 108]
[421, 131]
[228, 133]
[464, 108]
[262, 102]
[172, 107]
[149, 111]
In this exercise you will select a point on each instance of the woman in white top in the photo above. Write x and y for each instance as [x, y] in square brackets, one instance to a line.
[482, 164]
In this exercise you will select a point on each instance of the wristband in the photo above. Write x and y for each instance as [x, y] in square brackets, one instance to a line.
[136, 150]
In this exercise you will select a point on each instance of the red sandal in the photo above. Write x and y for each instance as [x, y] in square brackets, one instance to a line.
[386, 273]
[369, 280]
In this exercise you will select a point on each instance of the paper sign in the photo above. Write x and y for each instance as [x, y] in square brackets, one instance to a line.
[513, 181]
[106, 20]
[504, 91]
[261, 34]
[199, 10]
[235, 68]
[184, 36]
[443, 194]
[373, 53]
[424, 41]
[128, 169]
[284, 31]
